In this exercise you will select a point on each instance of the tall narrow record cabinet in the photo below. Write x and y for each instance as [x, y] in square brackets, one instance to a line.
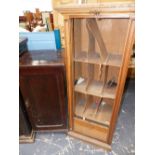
[99, 40]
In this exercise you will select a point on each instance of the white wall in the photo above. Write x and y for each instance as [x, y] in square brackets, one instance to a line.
[43, 5]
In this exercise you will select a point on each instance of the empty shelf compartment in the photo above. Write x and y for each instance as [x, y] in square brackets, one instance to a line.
[98, 110]
[80, 103]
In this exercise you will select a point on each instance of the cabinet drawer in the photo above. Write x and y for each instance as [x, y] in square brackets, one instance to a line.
[90, 129]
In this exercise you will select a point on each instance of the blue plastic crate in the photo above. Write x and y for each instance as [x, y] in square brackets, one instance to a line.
[40, 40]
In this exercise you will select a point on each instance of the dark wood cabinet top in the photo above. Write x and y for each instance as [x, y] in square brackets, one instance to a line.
[42, 58]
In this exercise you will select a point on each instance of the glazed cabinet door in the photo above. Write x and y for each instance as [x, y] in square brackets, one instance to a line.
[44, 94]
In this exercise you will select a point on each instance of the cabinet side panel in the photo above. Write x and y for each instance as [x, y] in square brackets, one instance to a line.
[69, 66]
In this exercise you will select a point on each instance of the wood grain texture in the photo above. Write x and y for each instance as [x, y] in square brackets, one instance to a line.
[90, 140]
[90, 129]
[69, 67]
[77, 35]
[91, 41]
[98, 9]
[93, 28]
[43, 90]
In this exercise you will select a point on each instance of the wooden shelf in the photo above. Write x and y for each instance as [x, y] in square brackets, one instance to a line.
[114, 60]
[95, 88]
[94, 58]
[109, 92]
[103, 115]
[92, 108]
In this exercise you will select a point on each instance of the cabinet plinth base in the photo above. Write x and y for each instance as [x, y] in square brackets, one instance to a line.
[27, 139]
[90, 140]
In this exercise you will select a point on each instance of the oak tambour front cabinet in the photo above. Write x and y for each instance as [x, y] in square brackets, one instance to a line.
[42, 84]
[99, 40]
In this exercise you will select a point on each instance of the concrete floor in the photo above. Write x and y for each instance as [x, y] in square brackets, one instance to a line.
[61, 144]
